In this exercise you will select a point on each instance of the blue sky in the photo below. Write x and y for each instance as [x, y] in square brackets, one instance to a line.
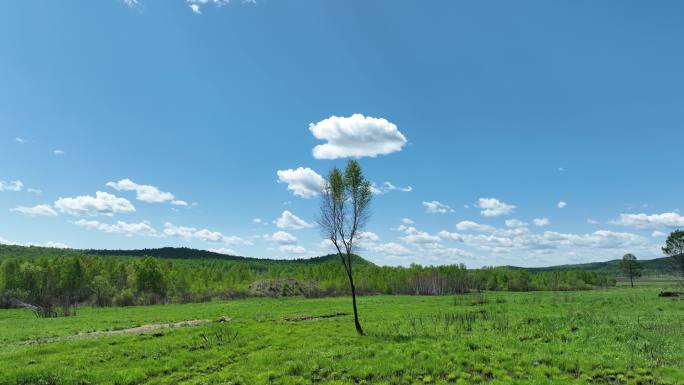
[483, 116]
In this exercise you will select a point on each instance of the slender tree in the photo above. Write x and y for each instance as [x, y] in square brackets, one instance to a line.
[630, 267]
[345, 209]
[674, 248]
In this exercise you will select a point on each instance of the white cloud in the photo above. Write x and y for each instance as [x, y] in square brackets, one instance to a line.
[303, 182]
[292, 249]
[387, 187]
[644, 221]
[43, 210]
[58, 152]
[492, 207]
[282, 238]
[120, 227]
[356, 136]
[34, 191]
[657, 234]
[562, 204]
[515, 223]
[56, 245]
[449, 235]
[287, 220]
[414, 235]
[474, 226]
[145, 193]
[223, 250]
[592, 221]
[101, 204]
[15, 185]
[541, 222]
[179, 202]
[206, 235]
[132, 3]
[259, 221]
[407, 221]
[20, 140]
[435, 207]
[195, 8]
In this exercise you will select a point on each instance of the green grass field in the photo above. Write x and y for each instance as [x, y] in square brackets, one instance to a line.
[614, 336]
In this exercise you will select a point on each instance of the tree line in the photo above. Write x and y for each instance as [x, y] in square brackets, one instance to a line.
[58, 285]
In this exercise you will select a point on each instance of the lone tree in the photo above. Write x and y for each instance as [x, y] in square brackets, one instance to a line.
[630, 267]
[674, 248]
[344, 212]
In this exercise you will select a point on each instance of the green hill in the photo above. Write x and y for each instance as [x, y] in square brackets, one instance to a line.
[651, 267]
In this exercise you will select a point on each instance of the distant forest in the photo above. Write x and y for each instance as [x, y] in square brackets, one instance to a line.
[56, 281]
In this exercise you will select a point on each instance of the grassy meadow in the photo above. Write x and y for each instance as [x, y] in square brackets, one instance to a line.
[612, 336]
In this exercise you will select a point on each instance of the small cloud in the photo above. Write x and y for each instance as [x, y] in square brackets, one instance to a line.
[15, 185]
[658, 234]
[58, 152]
[474, 226]
[407, 221]
[436, 207]
[195, 8]
[290, 221]
[34, 191]
[303, 181]
[492, 207]
[20, 140]
[387, 187]
[562, 204]
[223, 250]
[515, 223]
[40, 210]
[56, 245]
[540, 222]
[561, 169]
[146, 193]
[592, 221]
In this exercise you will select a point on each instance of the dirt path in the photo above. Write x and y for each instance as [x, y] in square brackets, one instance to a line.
[134, 330]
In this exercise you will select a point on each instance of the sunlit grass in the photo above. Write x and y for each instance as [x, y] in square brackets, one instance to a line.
[616, 336]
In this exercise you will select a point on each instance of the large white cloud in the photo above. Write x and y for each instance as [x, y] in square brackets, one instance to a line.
[15, 185]
[206, 235]
[302, 181]
[42, 210]
[289, 221]
[120, 227]
[492, 207]
[436, 207]
[356, 136]
[670, 220]
[145, 193]
[101, 204]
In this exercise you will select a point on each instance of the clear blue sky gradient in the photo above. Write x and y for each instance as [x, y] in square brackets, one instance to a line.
[528, 102]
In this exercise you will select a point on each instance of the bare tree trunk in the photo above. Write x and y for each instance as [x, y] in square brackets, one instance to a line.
[631, 280]
[356, 313]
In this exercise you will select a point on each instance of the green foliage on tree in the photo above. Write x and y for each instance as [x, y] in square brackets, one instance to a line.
[630, 267]
[674, 249]
[57, 285]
